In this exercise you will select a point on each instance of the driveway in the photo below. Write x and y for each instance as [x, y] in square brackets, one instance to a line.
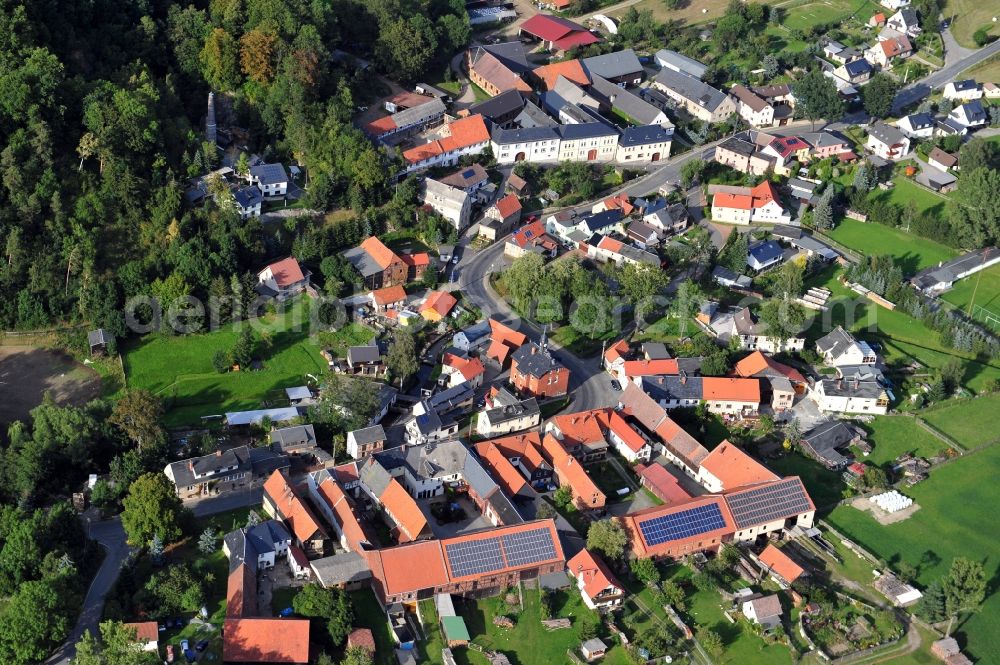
[110, 535]
[226, 501]
[917, 91]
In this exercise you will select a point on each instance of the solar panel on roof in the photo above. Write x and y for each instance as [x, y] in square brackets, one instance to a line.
[768, 503]
[474, 557]
[683, 524]
[527, 547]
[468, 173]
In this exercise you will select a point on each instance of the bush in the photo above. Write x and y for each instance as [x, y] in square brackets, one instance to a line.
[220, 361]
[981, 37]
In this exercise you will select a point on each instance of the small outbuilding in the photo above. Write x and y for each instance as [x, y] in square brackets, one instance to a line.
[98, 340]
[593, 649]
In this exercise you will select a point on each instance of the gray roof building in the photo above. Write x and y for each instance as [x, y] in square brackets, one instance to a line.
[269, 174]
[533, 360]
[368, 435]
[680, 63]
[507, 104]
[691, 89]
[620, 64]
[645, 135]
[248, 197]
[529, 135]
[291, 438]
[340, 569]
[362, 261]
[825, 441]
[887, 134]
[626, 102]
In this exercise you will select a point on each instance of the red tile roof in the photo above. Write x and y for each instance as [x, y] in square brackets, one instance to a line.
[241, 592]
[610, 244]
[409, 518]
[550, 28]
[571, 70]
[785, 146]
[779, 563]
[508, 205]
[346, 473]
[504, 341]
[632, 439]
[734, 468]
[528, 234]
[616, 351]
[736, 389]
[526, 446]
[619, 202]
[733, 201]
[343, 513]
[381, 126]
[757, 362]
[416, 260]
[381, 254]
[145, 631]
[389, 295]
[286, 272]
[464, 132]
[633, 368]
[502, 531]
[576, 39]
[570, 472]
[297, 515]
[439, 301]
[266, 641]
[580, 427]
[469, 368]
[509, 478]
[663, 483]
[594, 573]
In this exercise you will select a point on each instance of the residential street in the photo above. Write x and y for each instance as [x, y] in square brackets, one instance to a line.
[109, 535]
[916, 91]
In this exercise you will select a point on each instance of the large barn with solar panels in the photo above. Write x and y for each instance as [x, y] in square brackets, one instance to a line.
[467, 564]
[704, 523]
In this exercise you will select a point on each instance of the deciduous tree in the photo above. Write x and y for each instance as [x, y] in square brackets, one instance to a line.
[608, 537]
[152, 507]
[139, 414]
[817, 97]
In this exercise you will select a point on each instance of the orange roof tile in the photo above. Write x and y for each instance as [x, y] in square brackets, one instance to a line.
[681, 443]
[330, 492]
[757, 362]
[734, 468]
[241, 592]
[572, 473]
[381, 126]
[498, 351]
[610, 244]
[779, 563]
[526, 445]
[145, 631]
[734, 201]
[418, 565]
[650, 367]
[581, 427]
[389, 295]
[439, 301]
[665, 484]
[507, 334]
[572, 70]
[616, 351]
[297, 515]
[418, 259]
[286, 272]
[625, 432]
[508, 206]
[619, 202]
[466, 132]
[509, 478]
[404, 509]
[382, 255]
[346, 473]
[736, 389]
[362, 637]
[266, 641]
[594, 572]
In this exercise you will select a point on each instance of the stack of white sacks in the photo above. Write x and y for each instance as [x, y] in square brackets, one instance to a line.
[892, 501]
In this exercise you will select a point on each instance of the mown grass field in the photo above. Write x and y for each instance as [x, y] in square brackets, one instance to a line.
[955, 517]
[179, 368]
[906, 190]
[805, 16]
[983, 289]
[892, 436]
[970, 15]
[912, 252]
[972, 422]
[905, 340]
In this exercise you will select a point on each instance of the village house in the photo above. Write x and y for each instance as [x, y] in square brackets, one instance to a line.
[780, 566]
[839, 348]
[827, 144]
[282, 279]
[248, 201]
[389, 298]
[284, 501]
[866, 396]
[887, 142]
[507, 477]
[697, 98]
[535, 371]
[606, 249]
[365, 441]
[223, 470]
[621, 68]
[147, 635]
[458, 367]
[940, 159]
[855, 72]
[524, 452]
[437, 306]
[742, 153]
[271, 179]
[782, 382]
[786, 151]
[504, 341]
[530, 238]
[501, 217]
[470, 179]
[588, 142]
[406, 520]
[462, 137]
[505, 413]
[647, 143]
[884, 52]
[452, 203]
[723, 395]
[742, 323]
[569, 472]
[905, 21]
[410, 113]
[743, 205]
[756, 111]
[764, 611]
[657, 479]
[624, 103]
[969, 115]
[598, 586]
[667, 218]
[916, 125]
[828, 443]
[378, 265]
[497, 68]
[535, 145]
[473, 337]
[499, 111]
[727, 467]
[571, 70]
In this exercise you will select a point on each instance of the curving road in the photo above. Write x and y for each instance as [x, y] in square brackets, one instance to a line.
[110, 535]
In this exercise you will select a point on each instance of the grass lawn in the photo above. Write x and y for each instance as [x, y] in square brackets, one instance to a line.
[904, 339]
[579, 344]
[528, 642]
[988, 71]
[179, 368]
[982, 289]
[368, 614]
[892, 436]
[690, 12]
[669, 329]
[968, 16]
[906, 190]
[608, 480]
[805, 16]
[353, 334]
[970, 422]
[956, 505]
[912, 252]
